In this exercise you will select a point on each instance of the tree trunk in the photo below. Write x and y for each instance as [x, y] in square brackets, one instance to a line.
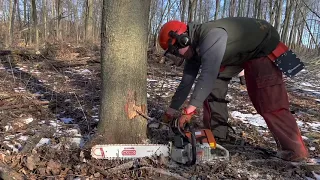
[248, 8]
[216, 14]
[35, 24]
[232, 8]
[25, 11]
[124, 70]
[224, 8]
[59, 14]
[183, 12]
[44, 15]
[278, 17]
[200, 14]
[293, 27]
[271, 11]
[9, 35]
[89, 21]
[284, 34]
[191, 10]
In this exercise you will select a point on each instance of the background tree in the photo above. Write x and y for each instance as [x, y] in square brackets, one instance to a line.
[124, 36]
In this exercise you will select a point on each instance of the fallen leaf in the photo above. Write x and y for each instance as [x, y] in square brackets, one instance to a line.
[53, 167]
[42, 171]
[30, 163]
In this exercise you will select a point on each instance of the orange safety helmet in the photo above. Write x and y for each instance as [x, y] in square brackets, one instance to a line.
[177, 27]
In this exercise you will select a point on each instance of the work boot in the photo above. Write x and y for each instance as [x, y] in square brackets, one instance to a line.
[290, 156]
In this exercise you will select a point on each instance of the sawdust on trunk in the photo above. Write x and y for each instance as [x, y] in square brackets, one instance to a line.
[124, 71]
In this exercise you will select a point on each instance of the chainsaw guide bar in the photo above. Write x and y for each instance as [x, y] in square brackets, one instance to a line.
[129, 151]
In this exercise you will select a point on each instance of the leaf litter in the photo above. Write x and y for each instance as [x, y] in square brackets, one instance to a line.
[49, 109]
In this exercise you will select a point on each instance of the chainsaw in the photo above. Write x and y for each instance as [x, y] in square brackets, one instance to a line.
[188, 147]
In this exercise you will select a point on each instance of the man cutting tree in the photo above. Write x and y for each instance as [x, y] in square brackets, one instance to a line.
[219, 50]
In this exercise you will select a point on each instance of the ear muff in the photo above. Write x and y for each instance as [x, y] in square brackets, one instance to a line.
[182, 40]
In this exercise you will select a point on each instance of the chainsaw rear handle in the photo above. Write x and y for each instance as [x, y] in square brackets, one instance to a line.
[193, 147]
[176, 129]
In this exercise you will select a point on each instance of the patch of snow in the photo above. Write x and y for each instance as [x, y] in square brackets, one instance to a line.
[7, 127]
[96, 119]
[55, 124]
[43, 141]
[148, 95]
[314, 125]
[10, 136]
[15, 148]
[312, 148]
[66, 120]
[2, 68]
[85, 72]
[307, 84]
[309, 90]
[305, 138]
[152, 80]
[28, 120]
[300, 123]
[19, 89]
[229, 96]
[256, 119]
[23, 138]
[317, 176]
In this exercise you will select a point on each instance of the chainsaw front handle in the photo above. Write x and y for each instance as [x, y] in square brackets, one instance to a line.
[227, 154]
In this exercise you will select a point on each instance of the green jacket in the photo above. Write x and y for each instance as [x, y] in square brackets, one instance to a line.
[224, 42]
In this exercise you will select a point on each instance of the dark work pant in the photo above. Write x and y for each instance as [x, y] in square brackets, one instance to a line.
[215, 112]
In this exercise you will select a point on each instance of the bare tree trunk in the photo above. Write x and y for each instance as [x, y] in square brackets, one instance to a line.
[183, 12]
[44, 15]
[191, 10]
[278, 16]
[200, 14]
[9, 35]
[232, 8]
[224, 8]
[284, 34]
[35, 24]
[293, 27]
[216, 14]
[124, 70]
[271, 11]
[59, 14]
[248, 8]
[89, 21]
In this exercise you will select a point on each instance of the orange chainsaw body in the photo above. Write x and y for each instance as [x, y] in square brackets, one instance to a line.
[204, 136]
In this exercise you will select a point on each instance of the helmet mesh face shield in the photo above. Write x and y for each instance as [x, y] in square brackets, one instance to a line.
[177, 60]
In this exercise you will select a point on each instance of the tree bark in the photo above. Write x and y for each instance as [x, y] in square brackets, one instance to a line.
[284, 34]
[183, 12]
[278, 17]
[35, 24]
[124, 70]
[217, 10]
[248, 8]
[224, 8]
[89, 21]
[44, 15]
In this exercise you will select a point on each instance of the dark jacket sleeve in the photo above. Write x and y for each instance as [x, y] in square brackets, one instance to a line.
[190, 72]
[211, 51]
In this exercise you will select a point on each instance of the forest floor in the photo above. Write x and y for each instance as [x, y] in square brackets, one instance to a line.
[49, 106]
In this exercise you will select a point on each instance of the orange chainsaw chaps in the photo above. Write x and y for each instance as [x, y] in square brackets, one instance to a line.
[204, 136]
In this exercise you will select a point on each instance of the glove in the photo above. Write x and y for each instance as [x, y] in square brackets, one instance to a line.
[166, 117]
[185, 118]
